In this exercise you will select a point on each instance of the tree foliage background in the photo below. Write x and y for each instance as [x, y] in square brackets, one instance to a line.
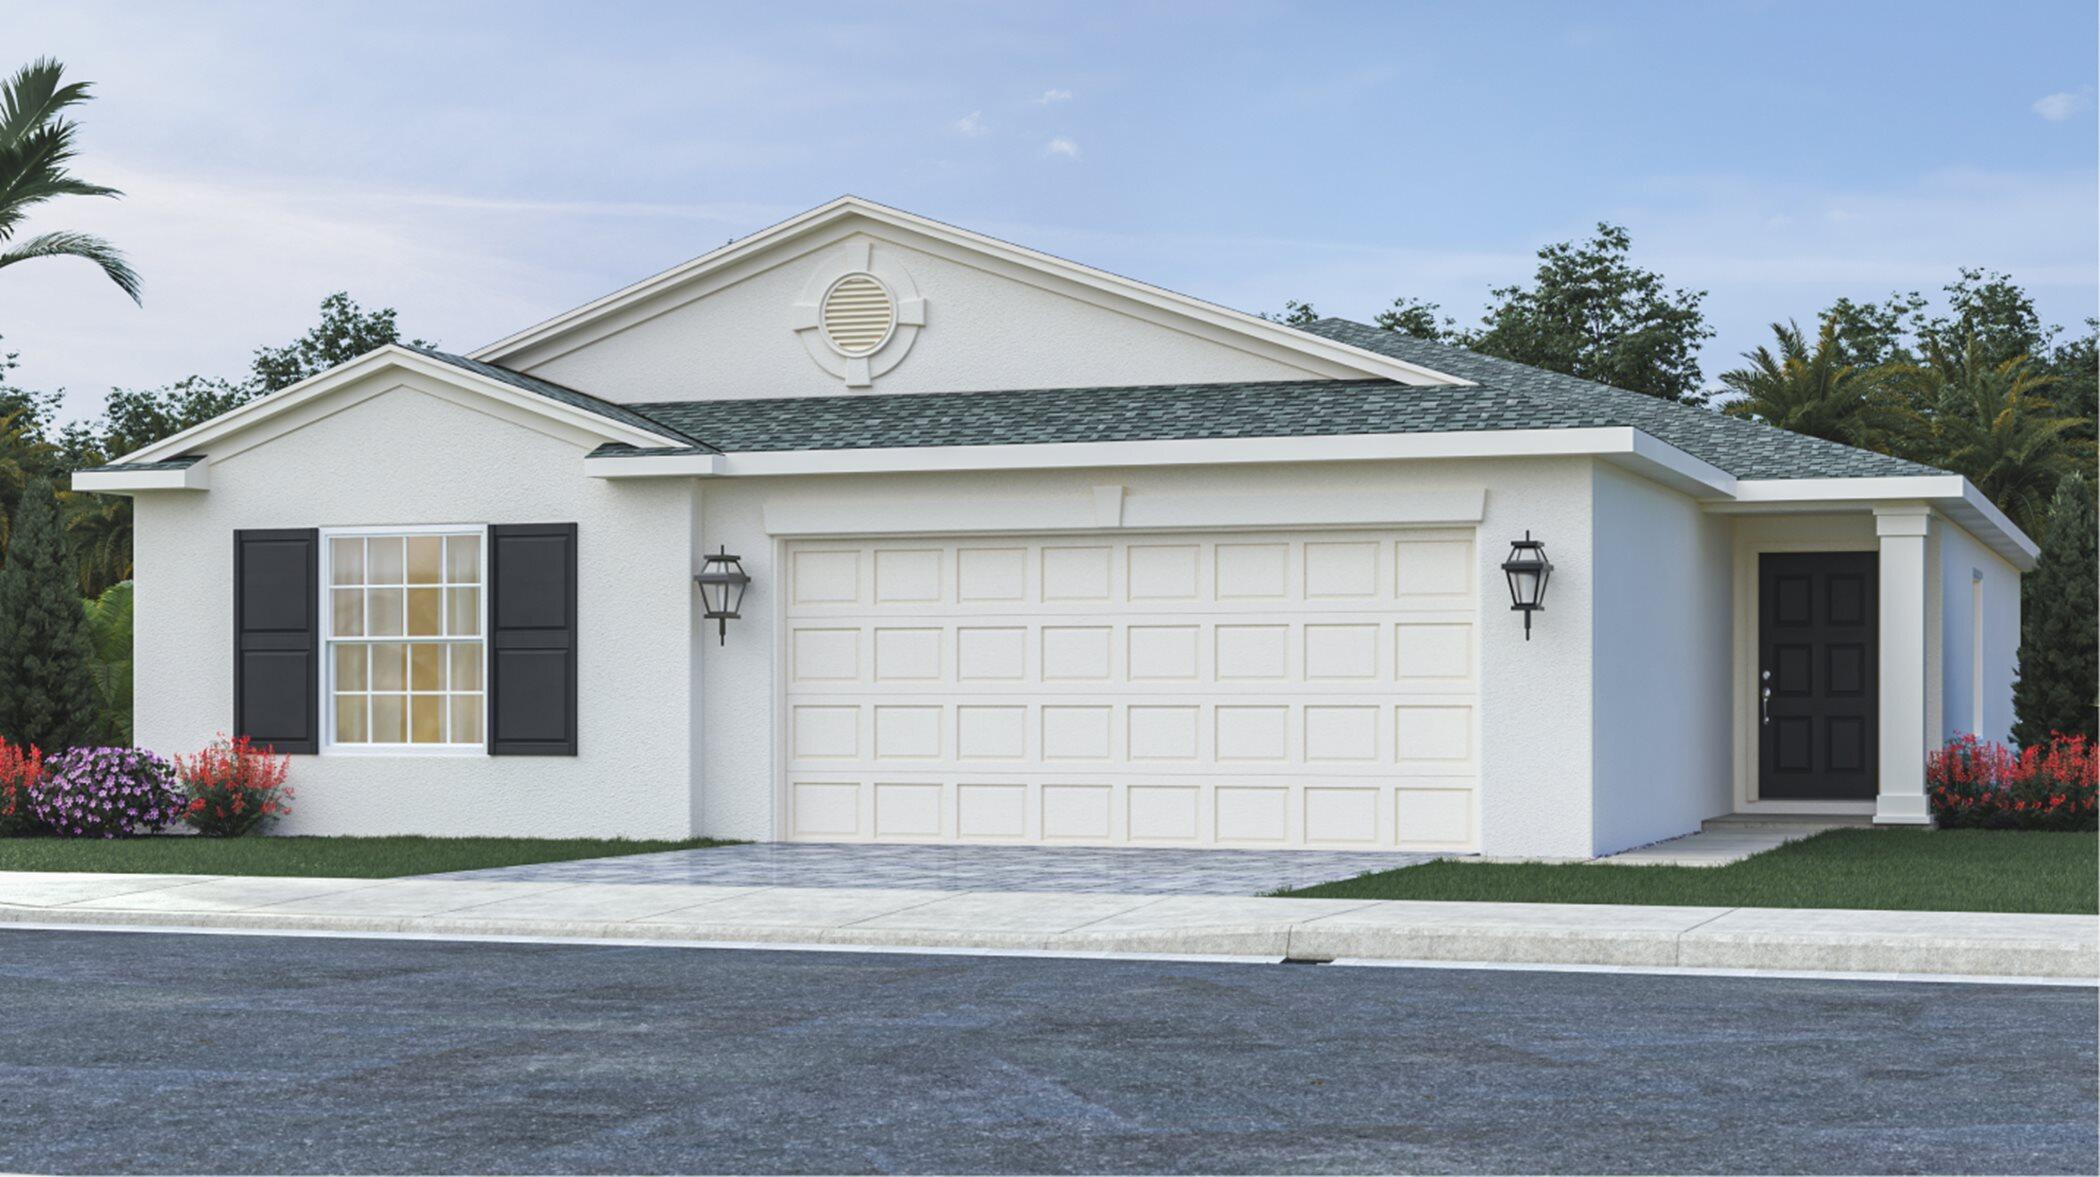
[34, 443]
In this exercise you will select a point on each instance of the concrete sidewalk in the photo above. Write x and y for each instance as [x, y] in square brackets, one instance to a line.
[1780, 939]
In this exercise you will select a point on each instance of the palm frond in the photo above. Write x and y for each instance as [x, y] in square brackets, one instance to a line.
[33, 96]
[81, 245]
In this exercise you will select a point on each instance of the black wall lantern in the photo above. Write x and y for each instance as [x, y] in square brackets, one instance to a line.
[722, 581]
[1528, 570]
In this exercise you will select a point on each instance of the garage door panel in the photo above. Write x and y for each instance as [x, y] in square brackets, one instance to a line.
[1232, 689]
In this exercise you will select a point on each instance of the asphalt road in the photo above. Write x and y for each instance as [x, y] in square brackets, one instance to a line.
[164, 1053]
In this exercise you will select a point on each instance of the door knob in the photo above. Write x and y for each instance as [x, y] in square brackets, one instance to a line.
[1765, 697]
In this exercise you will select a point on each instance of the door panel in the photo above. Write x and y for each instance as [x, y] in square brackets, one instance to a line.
[1817, 664]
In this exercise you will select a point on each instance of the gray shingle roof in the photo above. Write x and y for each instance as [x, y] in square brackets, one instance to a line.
[1745, 449]
[557, 392]
[1504, 395]
[1297, 408]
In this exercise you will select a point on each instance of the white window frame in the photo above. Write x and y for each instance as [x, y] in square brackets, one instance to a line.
[329, 746]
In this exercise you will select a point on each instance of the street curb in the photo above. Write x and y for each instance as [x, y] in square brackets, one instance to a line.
[1755, 939]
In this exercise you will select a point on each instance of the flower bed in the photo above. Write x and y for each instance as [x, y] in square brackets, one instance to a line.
[234, 787]
[1978, 785]
[106, 793]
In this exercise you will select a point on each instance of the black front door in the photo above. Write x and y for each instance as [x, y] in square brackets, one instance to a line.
[1816, 637]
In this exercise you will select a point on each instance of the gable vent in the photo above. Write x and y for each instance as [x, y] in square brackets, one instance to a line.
[858, 314]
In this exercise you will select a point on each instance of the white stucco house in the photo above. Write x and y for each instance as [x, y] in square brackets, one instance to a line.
[1040, 554]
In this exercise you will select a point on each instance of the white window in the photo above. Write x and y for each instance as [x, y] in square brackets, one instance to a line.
[405, 648]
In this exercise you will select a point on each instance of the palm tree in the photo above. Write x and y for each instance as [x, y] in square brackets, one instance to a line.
[35, 146]
[98, 529]
[1995, 424]
[1809, 390]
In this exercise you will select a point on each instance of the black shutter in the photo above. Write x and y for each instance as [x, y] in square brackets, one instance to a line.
[532, 639]
[276, 638]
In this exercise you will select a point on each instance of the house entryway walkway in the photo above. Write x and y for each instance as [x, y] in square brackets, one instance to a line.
[891, 866]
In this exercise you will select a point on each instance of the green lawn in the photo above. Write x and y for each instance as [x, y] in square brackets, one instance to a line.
[1911, 870]
[342, 858]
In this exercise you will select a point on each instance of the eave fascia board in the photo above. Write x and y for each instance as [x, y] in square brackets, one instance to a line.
[1626, 446]
[195, 476]
[373, 363]
[653, 466]
[1952, 494]
[1275, 334]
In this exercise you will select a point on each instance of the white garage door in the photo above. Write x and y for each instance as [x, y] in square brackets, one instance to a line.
[1227, 689]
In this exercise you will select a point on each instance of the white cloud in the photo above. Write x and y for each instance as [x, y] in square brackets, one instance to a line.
[1050, 96]
[2060, 106]
[1062, 146]
[972, 125]
[232, 263]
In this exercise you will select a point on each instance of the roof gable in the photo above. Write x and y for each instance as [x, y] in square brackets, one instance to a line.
[546, 404]
[1028, 319]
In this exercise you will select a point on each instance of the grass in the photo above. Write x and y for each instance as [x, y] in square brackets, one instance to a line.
[340, 858]
[1900, 870]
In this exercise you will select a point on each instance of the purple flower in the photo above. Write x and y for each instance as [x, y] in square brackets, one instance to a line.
[106, 793]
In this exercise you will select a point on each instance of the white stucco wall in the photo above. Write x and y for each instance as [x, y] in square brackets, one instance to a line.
[1661, 624]
[1535, 714]
[404, 457]
[985, 329]
[1966, 569]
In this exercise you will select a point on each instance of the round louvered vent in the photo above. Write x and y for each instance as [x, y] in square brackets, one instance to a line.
[858, 314]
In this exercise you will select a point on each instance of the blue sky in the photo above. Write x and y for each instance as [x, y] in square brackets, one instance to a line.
[483, 166]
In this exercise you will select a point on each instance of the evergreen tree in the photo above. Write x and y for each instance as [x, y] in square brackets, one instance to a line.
[2059, 634]
[48, 695]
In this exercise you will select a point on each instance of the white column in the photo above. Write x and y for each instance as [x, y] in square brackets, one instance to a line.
[1902, 531]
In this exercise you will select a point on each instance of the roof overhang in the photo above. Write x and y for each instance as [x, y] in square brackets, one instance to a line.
[117, 480]
[1950, 494]
[1618, 444]
[661, 292]
[1623, 446]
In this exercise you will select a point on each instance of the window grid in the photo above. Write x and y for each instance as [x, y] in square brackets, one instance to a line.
[406, 667]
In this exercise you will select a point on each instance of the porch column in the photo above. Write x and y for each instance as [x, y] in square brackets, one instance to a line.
[1901, 750]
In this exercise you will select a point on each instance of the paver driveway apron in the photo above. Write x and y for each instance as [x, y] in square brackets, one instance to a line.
[1068, 869]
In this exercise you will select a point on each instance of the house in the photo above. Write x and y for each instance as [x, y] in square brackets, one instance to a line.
[1040, 554]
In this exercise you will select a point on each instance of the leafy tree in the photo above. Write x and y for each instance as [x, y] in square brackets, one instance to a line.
[1995, 424]
[1592, 313]
[47, 681]
[1419, 318]
[1813, 390]
[2059, 637]
[1994, 313]
[1872, 335]
[346, 331]
[1293, 314]
[36, 144]
[2076, 366]
[133, 418]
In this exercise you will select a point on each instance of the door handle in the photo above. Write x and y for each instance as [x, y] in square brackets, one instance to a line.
[1765, 697]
